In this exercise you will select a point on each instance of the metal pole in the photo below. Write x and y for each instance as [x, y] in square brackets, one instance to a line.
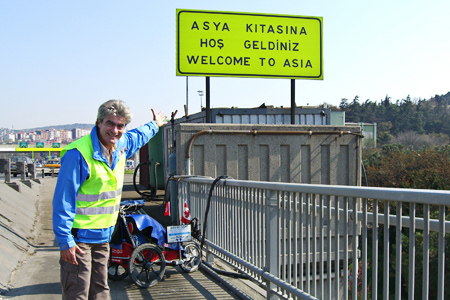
[272, 234]
[187, 96]
[292, 101]
[208, 103]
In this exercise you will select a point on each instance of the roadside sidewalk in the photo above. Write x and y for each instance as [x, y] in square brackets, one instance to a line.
[38, 277]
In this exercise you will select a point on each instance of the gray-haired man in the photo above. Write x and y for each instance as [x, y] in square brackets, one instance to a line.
[87, 197]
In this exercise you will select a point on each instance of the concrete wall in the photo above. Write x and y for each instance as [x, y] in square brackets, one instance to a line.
[258, 116]
[317, 154]
[18, 211]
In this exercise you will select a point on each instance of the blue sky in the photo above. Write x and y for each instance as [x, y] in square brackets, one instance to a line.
[59, 60]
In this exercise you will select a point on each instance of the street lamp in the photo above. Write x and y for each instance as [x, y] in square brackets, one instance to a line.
[200, 93]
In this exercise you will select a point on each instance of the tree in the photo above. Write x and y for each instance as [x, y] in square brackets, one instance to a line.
[384, 133]
[344, 103]
[400, 167]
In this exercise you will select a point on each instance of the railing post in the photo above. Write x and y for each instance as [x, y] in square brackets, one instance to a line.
[441, 253]
[5, 167]
[426, 252]
[31, 170]
[272, 242]
[386, 248]
[20, 168]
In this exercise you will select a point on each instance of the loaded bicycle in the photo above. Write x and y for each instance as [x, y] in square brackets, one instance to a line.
[140, 247]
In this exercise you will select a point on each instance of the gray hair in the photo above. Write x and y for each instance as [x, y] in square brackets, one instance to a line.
[114, 108]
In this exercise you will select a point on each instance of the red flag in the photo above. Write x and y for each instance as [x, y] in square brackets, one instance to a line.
[167, 211]
[186, 217]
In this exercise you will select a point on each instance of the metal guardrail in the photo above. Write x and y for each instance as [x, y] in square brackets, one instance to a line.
[307, 241]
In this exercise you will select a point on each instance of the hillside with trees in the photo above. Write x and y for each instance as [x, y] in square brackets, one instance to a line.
[62, 127]
[425, 122]
[413, 141]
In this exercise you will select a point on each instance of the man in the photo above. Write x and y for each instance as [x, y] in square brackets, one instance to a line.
[87, 197]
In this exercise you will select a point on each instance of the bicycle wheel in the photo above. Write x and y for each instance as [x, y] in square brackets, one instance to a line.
[147, 265]
[116, 272]
[192, 259]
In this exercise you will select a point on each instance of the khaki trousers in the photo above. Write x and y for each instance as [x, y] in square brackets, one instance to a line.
[88, 280]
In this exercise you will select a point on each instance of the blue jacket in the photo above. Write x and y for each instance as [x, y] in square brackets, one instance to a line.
[73, 173]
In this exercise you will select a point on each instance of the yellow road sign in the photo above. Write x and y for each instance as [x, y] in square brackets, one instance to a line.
[216, 43]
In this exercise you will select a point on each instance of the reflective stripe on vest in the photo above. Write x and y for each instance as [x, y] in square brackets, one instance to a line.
[102, 196]
[98, 199]
[97, 210]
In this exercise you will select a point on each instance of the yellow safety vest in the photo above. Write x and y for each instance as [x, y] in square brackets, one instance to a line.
[98, 198]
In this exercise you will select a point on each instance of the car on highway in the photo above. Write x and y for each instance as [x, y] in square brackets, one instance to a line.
[129, 164]
[26, 160]
[52, 163]
[51, 167]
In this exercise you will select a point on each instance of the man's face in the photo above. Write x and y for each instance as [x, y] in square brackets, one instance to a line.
[110, 130]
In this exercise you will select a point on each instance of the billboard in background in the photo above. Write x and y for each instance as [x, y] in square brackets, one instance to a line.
[235, 44]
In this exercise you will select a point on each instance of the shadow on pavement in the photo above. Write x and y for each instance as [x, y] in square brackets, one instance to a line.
[53, 288]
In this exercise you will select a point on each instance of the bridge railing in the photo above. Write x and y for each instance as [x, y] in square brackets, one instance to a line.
[307, 241]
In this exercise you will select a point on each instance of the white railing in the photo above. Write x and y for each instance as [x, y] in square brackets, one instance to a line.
[306, 241]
